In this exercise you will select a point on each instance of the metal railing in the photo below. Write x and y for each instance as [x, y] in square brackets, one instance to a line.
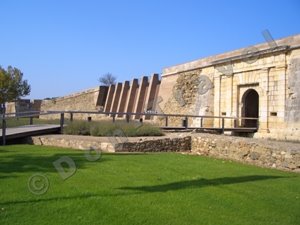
[127, 116]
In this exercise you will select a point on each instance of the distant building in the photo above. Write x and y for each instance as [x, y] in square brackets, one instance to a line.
[23, 105]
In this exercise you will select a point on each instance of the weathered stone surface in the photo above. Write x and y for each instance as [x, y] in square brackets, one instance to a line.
[23, 105]
[274, 154]
[292, 106]
[254, 155]
[191, 93]
[274, 75]
[162, 145]
[73, 141]
[83, 101]
[114, 144]
[121, 98]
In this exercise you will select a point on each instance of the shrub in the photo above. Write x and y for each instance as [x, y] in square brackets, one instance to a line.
[78, 128]
[108, 128]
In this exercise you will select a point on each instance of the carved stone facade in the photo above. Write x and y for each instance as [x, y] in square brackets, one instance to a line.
[260, 81]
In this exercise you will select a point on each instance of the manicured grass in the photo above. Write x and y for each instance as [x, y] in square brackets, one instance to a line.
[108, 128]
[144, 189]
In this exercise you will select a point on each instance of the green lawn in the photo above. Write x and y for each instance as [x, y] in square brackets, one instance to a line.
[143, 189]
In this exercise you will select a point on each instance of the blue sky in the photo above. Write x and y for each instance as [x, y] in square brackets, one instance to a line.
[64, 46]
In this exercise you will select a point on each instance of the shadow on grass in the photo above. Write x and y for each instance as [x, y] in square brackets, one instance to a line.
[199, 183]
[128, 153]
[62, 198]
[4, 151]
[24, 163]
[6, 177]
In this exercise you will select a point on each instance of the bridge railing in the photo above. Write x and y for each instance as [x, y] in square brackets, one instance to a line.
[128, 116]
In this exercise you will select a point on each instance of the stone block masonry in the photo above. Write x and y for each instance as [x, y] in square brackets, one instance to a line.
[169, 144]
[135, 97]
[74, 142]
[23, 105]
[265, 153]
[112, 144]
[263, 85]
[260, 82]
[89, 100]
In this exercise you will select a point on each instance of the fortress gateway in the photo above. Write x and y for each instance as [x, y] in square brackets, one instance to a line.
[260, 81]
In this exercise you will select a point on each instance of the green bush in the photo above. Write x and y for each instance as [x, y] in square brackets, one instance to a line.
[78, 128]
[108, 128]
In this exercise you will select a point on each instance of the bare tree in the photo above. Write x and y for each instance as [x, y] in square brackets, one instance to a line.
[107, 79]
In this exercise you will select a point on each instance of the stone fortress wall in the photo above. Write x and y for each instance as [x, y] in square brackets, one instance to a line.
[137, 96]
[88, 100]
[259, 81]
[23, 105]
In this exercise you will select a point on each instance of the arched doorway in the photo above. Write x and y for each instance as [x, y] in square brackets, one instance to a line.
[250, 107]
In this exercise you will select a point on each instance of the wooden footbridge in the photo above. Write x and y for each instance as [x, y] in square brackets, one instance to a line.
[40, 129]
[30, 130]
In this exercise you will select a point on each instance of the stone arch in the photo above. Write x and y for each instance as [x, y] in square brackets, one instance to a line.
[250, 108]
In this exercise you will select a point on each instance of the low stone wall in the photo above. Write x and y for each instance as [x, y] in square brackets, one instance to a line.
[274, 154]
[115, 144]
[281, 134]
[73, 141]
[159, 145]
